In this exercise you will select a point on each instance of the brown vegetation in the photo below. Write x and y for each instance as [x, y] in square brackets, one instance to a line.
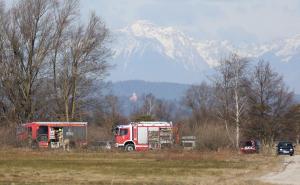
[242, 102]
[52, 68]
[164, 167]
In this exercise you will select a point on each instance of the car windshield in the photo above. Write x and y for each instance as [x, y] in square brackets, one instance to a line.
[285, 144]
[248, 143]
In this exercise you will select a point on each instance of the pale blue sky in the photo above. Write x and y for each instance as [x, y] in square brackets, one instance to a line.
[235, 20]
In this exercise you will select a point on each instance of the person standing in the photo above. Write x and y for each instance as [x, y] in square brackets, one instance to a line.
[60, 137]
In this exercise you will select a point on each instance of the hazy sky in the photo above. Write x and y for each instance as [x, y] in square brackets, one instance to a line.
[235, 20]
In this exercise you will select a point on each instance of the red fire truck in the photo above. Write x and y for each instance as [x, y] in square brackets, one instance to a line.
[51, 134]
[144, 135]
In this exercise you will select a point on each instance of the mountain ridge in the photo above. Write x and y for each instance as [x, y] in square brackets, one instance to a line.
[149, 52]
[175, 43]
[162, 90]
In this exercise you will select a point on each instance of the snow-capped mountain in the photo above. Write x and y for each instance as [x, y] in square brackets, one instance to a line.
[287, 48]
[143, 36]
[146, 51]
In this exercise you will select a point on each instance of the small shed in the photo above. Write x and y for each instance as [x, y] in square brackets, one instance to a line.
[188, 142]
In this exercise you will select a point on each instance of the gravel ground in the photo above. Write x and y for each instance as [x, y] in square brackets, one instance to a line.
[288, 175]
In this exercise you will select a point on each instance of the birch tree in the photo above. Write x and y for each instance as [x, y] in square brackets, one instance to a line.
[239, 67]
[230, 83]
[149, 103]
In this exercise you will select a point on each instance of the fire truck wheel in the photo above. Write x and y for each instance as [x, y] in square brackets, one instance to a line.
[129, 147]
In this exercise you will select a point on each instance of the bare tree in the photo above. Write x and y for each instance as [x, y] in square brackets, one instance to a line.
[151, 108]
[149, 103]
[112, 110]
[42, 43]
[231, 82]
[200, 99]
[65, 16]
[239, 67]
[291, 124]
[269, 101]
[26, 37]
[164, 110]
[83, 59]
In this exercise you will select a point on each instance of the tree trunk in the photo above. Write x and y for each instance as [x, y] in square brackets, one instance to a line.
[237, 135]
[74, 99]
[228, 133]
[67, 110]
[74, 88]
[66, 99]
[237, 116]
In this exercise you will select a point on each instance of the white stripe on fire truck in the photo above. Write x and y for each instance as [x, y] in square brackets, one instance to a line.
[141, 146]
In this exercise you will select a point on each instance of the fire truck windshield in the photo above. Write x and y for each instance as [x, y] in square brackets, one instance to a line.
[123, 131]
[120, 131]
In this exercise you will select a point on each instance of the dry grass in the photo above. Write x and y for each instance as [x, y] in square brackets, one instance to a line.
[21, 166]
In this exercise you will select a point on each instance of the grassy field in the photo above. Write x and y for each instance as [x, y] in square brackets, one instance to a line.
[21, 166]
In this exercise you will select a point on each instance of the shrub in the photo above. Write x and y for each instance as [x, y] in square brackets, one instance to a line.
[212, 137]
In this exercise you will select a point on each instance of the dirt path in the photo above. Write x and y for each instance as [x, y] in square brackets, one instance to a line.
[288, 175]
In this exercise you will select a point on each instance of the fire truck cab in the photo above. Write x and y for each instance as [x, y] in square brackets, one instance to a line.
[144, 135]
